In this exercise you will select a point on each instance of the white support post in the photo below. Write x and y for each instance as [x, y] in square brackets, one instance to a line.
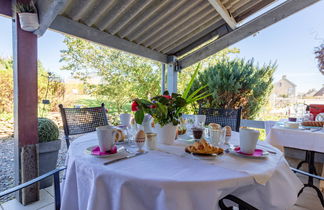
[172, 78]
[163, 78]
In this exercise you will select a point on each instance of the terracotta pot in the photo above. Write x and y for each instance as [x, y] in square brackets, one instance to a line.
[28, 21]
[166, 134]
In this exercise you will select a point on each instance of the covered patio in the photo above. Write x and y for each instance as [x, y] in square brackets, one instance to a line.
[177, 33]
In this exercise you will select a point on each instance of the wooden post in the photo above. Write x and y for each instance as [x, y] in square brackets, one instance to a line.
[5, 8]
[172, 78]
[25, 110]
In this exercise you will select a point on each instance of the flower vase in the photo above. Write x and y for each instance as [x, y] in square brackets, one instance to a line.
[166, 134]
[147, 126]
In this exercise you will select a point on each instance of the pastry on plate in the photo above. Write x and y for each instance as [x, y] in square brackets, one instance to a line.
[313, 123]
[215, 126]
[120, 136]
[203, 147]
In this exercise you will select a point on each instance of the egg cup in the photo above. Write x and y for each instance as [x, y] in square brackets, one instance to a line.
[140, 145]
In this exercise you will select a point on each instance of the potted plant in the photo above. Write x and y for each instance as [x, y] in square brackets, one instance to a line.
[166, 110]
[28, 17]
[49, 145]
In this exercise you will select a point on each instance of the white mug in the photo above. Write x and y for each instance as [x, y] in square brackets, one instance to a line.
[106, 137]
[248, 140]
[125, 119]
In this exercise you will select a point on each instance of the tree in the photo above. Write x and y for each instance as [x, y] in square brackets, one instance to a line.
[6, 85]
[109, 74]
[236, 82]
[55, 90]
[186, 73]
[319, 55]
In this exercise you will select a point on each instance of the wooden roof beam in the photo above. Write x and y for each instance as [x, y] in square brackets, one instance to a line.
[224, 13]
[276, 14]
[66, 25]
[47, 12]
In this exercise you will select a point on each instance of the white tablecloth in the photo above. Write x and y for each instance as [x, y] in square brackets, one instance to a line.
[296, 138]
[169, 180]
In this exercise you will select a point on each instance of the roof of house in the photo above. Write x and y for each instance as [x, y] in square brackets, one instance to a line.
[284, 78]
[320, 92]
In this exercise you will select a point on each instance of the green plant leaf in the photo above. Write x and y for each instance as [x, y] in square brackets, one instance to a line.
[139, 116]
[192, 95]
[186, 91]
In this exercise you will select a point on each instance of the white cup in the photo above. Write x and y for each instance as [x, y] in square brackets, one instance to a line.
[200, 119]
[125, 119]
[248, 140]
[106, 137]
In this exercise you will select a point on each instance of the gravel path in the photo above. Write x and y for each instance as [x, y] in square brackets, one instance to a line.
[7, 164]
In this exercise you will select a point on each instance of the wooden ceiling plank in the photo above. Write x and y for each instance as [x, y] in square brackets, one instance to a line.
[276, 14]
[224, 13]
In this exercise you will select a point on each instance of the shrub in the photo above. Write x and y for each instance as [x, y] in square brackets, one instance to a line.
[234, 83]
[47, 130]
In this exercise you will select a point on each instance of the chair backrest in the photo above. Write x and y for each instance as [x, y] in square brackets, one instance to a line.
[230, 117]
[82, 120]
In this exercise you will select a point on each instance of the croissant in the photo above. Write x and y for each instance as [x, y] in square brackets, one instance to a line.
[313, 123]
[203, 147]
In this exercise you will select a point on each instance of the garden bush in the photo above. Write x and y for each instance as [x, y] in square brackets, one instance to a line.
[236, 82]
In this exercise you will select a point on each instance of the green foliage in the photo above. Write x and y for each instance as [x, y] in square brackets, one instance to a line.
[163, 108]
[22, 7]
[111, 75]
[52, 90]
[319, 55]
[187, 73]
[47, 130]
[168, 109]
[6, 85]
[234, 83]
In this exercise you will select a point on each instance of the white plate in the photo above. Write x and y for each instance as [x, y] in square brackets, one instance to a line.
[120, 149]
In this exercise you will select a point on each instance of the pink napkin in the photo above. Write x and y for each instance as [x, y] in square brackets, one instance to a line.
[256, 153]
[96, 151]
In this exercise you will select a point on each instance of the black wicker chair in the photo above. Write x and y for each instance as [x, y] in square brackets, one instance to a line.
[241, 204]
[230, 117]
[82, 120]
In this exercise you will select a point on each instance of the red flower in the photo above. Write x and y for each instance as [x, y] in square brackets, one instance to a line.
[134, 106]
[152, 106]
[167, 96]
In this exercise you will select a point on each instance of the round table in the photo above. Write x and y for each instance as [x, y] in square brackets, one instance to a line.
[167, 178]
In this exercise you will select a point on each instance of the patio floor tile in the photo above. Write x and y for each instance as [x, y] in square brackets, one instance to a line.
[44, 200]
[50, 190]
[49, 207]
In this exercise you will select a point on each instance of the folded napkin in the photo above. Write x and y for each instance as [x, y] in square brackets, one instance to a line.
[96, 151]
[256, 153]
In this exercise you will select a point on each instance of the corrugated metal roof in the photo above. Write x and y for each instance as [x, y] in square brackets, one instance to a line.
[165, 26]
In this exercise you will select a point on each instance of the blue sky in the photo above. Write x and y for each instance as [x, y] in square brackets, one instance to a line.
[290, 42]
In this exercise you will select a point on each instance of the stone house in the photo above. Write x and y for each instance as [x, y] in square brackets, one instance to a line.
[284, 88]
[320, 93]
